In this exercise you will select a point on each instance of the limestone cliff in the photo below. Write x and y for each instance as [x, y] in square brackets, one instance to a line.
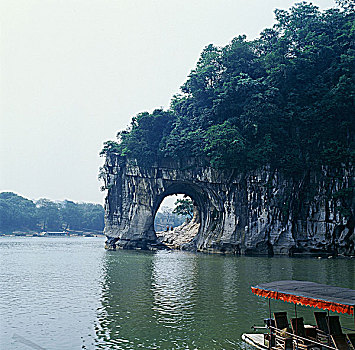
[259, 212]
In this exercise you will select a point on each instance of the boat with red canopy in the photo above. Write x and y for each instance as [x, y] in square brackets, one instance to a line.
[326, 335]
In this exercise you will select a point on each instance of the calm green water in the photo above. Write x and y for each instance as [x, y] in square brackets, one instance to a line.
[69, 293]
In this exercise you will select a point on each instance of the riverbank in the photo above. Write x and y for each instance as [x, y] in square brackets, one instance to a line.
[53, 234]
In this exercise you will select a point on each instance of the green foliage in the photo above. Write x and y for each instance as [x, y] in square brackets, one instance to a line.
[343, 198]
[91, 216]
[286, 99]
[48, 215]
[19, 213]
[346, 5]
[110, 147]
[71, 215]
[143, 140]
[16, 212]
[224, 145]
[184, 207]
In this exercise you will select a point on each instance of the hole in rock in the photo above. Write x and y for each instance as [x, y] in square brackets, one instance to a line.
[177, 220]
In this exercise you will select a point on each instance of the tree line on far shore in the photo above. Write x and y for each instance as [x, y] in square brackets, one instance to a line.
[21, 214]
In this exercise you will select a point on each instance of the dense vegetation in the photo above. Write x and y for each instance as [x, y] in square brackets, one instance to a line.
[285, 99]
[184, 207]
[20, 214]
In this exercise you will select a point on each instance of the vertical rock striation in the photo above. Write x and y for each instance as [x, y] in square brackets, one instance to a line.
[259, 212]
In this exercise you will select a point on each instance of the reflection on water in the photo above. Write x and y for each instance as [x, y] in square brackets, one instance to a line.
[60, 293]
[173, 289]
[181, 300]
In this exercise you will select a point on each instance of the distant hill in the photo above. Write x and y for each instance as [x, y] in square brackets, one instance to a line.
[166, 218]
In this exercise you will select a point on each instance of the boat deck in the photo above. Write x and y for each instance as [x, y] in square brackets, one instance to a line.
[256, 340]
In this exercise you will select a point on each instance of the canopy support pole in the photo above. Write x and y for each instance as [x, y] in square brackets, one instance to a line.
[270, 324]
[296, 326]
[328, 328]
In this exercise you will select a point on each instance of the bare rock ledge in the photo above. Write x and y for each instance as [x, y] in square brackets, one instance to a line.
[262, 212]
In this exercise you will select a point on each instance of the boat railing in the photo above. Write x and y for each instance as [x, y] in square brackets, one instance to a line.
[348, 329]
[297, 337]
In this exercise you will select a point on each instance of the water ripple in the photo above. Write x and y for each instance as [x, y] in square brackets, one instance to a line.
[68, 293]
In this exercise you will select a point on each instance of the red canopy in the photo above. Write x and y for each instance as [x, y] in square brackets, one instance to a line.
[306, 293]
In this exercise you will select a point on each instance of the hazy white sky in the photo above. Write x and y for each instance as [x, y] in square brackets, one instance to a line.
[74, 72]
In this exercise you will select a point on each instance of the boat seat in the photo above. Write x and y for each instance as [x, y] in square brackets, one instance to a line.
[334, 326]
[340, 342]
[283, 340]
[281, 321]
[298, 329]
[322, 327]
[330, 329]
[351, 339]
[321, 321]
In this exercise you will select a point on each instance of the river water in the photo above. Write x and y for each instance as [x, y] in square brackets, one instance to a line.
[69, 293]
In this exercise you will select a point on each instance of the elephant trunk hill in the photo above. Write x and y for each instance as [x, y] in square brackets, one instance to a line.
[252, 213]
[261, 137]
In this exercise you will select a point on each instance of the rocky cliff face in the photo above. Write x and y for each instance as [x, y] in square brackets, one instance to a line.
[260, 212]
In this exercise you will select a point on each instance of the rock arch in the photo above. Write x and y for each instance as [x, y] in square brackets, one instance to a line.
[135, 194]
[255, 212]
[181, 237]
[195, 192]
